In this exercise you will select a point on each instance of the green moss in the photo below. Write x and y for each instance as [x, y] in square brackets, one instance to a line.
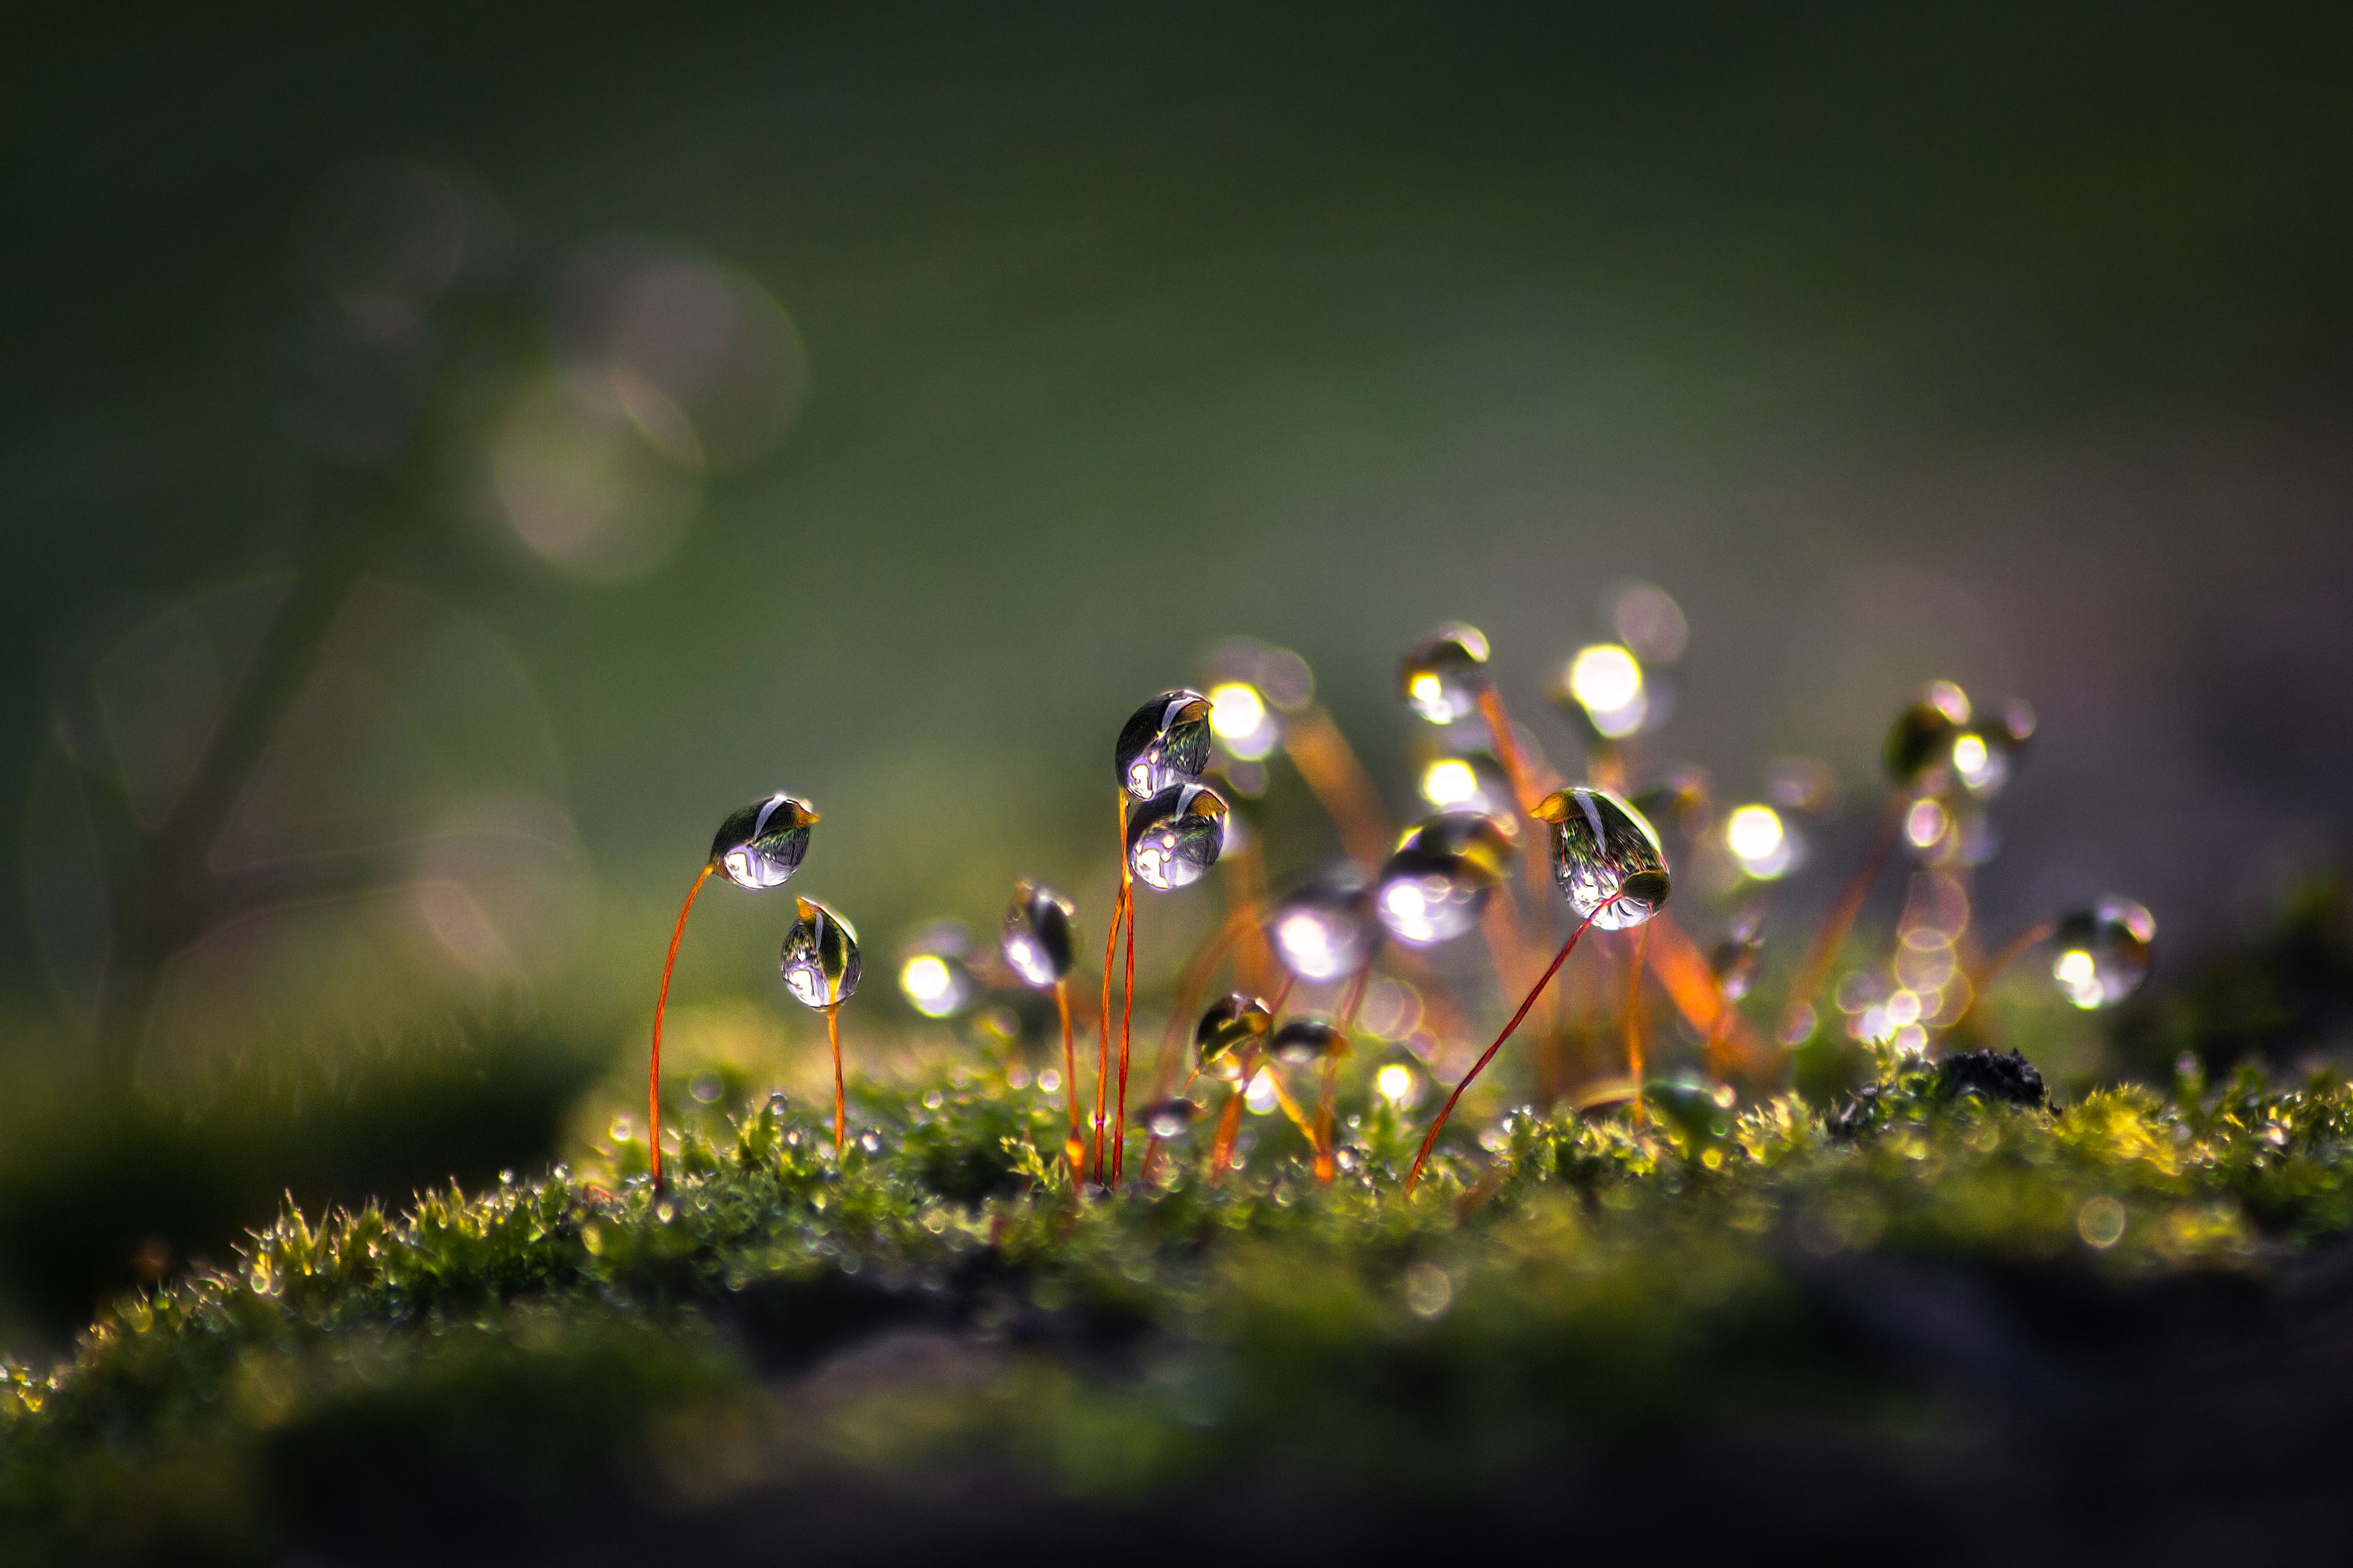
[1558, 1280]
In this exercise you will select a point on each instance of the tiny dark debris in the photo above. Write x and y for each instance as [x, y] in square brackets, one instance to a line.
[1990, 1075]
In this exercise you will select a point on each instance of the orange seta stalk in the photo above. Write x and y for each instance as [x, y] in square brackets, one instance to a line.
[1832, 935]
[1989, 971]
[1126, 1027]
[1690, 982]
[1535, 868]
[1103, 1032]
[1479, 1067]
[1076, 1148]
[1326, 1165]
[1111, 952]
[1340, 784]
[1229, 1120]
[1189, 985]
[840, 1100]
[653, 1073]
[1508, 756]
[1634, 1014]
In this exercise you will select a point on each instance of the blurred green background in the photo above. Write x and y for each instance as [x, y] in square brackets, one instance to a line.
[642, 410]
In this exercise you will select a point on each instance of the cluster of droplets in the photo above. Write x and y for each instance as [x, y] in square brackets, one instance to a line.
[1449, 875]
[1945, 760]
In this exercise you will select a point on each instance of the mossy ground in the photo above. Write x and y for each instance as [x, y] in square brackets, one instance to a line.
[936, 1336]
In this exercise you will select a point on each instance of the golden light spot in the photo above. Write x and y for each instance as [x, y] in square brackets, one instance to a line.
[1607, 680]
[1448, 781]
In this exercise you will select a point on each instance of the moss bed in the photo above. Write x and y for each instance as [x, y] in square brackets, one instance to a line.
[1944, 1309]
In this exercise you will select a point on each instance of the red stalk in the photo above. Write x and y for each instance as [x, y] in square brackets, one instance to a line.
[1479, 1067]
[653, 1073]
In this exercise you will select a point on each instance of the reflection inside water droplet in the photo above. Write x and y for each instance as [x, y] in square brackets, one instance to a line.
[763, 845]
[1174, 839]
[1606, 858]
[819, 961]
[1164, 744]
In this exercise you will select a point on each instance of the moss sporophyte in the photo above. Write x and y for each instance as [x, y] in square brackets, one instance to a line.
[1380, 913]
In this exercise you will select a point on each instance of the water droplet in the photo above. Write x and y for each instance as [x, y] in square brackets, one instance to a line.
[1230, 1024]
[2103, 951]
[1163, 744]
[1986, 755]
[704, 1086]
[1436, 884]
[665, 1211]
[870, 1141]
[1039, 939]
[1050, 1082]
[1446, 672]
[777, 1103]
[819, 961]
[1307, 1039]
[933, 973]
[1174, 837]
[506, 1178]
[1606, 858]
[1920, 741]
[1325, 928]
[1169, 1117]
[622, 1130]
[762, 845]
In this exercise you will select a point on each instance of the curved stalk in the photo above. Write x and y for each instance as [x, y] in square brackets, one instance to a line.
[1832, 935]
[1127, 1025]
[2004, 956]
[662, 1005]
[1076, 1148]
[1479, 1067]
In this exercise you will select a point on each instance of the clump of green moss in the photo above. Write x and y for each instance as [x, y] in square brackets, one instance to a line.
[944, 1298]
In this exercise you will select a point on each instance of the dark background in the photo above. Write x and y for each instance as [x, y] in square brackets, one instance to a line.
[2005, 343]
